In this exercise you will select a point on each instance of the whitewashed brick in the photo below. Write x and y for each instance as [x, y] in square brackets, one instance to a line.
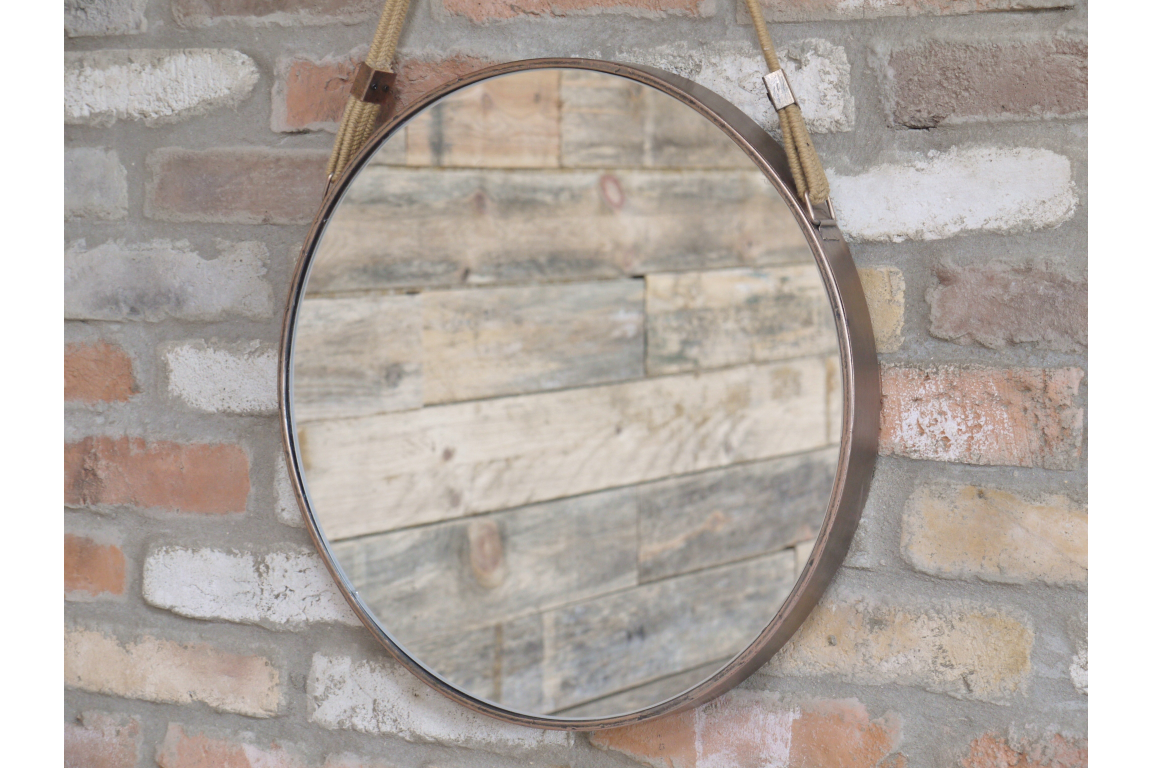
[1078, 670]
[97, 18]
[281, 588]
[817, 70]
[977, 189]
[95, 184]
[225, 379]
[160, 670]
[287, 508]
[164, 279]
[376, 698]
[156, 86]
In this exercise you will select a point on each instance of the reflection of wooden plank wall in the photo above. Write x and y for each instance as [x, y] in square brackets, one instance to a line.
[597, 412]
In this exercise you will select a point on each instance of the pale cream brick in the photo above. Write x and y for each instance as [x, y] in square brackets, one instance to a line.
[961, 531]
[159, 670]
[966, 652]
[884, 292]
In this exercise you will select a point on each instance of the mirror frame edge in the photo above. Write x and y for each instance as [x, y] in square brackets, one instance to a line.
[860, 377]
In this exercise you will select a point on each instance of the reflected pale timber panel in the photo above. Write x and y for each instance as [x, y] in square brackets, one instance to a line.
[617, 123]
[412, 228]
[504, 341]
[395, 470]
[727, 317]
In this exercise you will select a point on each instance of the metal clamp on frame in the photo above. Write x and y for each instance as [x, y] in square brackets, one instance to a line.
[372, 86]
[827, 225]
[779, 90]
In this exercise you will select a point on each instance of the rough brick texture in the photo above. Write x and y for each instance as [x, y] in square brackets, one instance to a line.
[1012, 417]
[941, 82]
[108, 471]
[235, 186]
[207, 13]
[484, 11]
[1053, 751]
[165, 671]
[95, 184]
[98, 372]
[997, 304]
[101, 740]
[747, 730]
[91, 568]
[785, 10]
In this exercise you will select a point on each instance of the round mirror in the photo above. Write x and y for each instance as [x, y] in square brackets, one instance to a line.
[580, 404]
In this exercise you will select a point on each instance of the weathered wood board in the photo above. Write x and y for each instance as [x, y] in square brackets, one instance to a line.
[396, 470]
[357, 356]
[611, 122]
[487, 342]
[417, 228]
[505, 122]
[641, 635]
[725, 515]
[727, 317]
[494, 568]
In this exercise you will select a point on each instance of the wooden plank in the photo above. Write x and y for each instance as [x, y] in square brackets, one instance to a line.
[502, 341]
[494, 568]
[726, 317]
[611, 122]
[626, 639]
[643, 696]
[357, 356]
[418, 228]
[504, 122]
[397, 470]
[725, 515]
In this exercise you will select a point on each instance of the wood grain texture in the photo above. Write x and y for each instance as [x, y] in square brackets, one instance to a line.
[509, 122]
[395, 470]
[716, 517]
[432, 580]
[357, 356]
[618, 123]
[726, 317]
[503, 341]
[417, 228]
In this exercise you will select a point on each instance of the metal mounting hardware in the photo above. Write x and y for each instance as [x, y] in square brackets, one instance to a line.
[372, 86]
[827, 225]
[779, 90]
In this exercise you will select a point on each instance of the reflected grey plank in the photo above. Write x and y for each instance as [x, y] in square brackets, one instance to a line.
[727, 317]
[504, 341]
[357, 356]
[626, 639]
[696, 522]
[413, 228]
[642, 695]
[396, 470]
[490, 569]
[614, 122]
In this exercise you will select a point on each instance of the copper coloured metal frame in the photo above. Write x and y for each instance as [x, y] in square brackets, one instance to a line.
[859, 372]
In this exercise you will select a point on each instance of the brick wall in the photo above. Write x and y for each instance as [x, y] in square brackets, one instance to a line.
[955, 136]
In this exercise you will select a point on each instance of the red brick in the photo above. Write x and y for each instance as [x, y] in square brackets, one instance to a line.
[202, 13]
[991, 751]
[483, 11]
[180, 750]
[310, 95]
[1027, 417]
[239, 186]
[211, 479]
[102, 741]
[92, 568]
[814, 10]
[938, 82]
[98, 372]
[996, 305]
[749, 730]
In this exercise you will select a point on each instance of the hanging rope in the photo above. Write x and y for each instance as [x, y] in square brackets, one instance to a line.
[805, 165]
[359, 117]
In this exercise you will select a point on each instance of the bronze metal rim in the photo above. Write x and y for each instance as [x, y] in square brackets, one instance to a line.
[860, 375]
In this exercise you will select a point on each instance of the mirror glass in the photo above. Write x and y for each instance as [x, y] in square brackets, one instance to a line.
[567, 393]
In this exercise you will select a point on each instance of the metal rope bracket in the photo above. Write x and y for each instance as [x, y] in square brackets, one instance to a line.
[372, 86]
